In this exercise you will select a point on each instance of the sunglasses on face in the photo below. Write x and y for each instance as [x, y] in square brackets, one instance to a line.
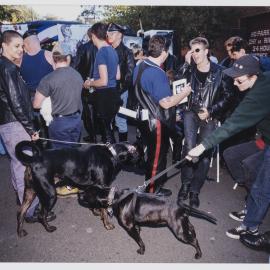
[196, 50]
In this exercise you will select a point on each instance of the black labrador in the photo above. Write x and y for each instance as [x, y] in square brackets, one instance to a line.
[133, 209]
[79, 167]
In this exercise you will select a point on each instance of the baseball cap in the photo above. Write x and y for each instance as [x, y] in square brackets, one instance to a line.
[115, 27]
[245, 65]
[28, 33]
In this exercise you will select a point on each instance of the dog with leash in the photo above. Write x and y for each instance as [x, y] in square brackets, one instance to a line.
[79, 167]
[133, 210]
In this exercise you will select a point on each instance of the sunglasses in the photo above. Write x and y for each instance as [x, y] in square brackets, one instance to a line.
[196, 50]
[240, 82]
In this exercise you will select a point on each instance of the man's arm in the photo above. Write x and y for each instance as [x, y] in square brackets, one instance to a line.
[49, 58]
[102, 81]
[174, 100]
[38, 99]
[16, 102]
[130, 64]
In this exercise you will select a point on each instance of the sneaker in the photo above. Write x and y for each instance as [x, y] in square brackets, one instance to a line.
[67, 191]
[238, 216]
[236, 232]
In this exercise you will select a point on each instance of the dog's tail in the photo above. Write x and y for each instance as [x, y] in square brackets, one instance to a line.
[198, 213]
[22, 156]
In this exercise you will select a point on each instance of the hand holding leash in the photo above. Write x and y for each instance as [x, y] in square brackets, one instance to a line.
[35, 136]
[193, 154]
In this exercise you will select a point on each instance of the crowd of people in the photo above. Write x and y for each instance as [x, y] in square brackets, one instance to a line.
[105, 74]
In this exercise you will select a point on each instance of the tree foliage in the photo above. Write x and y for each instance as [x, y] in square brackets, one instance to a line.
[188, 22]
[17, 13]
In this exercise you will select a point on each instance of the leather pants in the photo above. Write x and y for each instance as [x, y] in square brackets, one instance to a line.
[88, 114]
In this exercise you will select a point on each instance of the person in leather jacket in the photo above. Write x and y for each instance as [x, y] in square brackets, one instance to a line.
[16, 113]
[84, 64]
[209, 100]
[127, 63]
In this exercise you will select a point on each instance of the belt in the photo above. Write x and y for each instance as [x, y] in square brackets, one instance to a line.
[66, 115]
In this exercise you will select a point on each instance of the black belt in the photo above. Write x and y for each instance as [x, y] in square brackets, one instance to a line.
[66, 115]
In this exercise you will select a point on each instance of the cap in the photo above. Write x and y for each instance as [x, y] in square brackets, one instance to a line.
[115, 27]
[28, 33]
[61, 49]
[245, 65]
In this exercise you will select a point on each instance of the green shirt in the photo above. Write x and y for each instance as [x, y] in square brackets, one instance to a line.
[253, 110]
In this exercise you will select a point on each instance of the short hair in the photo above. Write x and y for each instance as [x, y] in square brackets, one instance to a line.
[199, 40]
[230, 40]
[157, 44]
[58, 57]
[99, 30]
[8, 35]
[63, 27]
[239, 44]
[89, 32]
[136, 49]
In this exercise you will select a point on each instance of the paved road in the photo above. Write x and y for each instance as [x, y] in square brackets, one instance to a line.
[81, 237]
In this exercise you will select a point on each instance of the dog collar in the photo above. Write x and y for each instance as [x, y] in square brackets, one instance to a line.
[112, 150]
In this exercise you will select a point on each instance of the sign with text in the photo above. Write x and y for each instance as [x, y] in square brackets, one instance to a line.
[260, 41]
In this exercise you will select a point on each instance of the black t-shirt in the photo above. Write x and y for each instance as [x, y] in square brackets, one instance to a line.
[198, 91]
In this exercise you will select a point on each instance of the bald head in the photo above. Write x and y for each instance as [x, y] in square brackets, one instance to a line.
[31, 44]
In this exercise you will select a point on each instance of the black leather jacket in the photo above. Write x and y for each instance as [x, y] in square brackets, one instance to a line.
[127, 64]
[217, 92]
[15, 101]
[85, 59]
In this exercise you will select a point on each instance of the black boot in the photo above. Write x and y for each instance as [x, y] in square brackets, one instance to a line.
[183, 192]
[163, 192]
[123, 136]
[194, 200]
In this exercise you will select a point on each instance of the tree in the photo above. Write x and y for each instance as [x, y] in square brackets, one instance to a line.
[188, 22]
[17, 13]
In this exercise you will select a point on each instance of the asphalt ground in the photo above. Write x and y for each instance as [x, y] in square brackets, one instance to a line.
[81, 238]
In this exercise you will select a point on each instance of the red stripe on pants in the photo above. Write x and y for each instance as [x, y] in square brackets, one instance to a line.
[157, 153]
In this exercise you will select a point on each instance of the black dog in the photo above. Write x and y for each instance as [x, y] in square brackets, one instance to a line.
[79, 167]
[134, 209]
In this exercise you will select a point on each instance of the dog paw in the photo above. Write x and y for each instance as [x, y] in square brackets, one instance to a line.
[109, 226]
[50, 229]
[140, 251]
[22, 233]
[198, 256]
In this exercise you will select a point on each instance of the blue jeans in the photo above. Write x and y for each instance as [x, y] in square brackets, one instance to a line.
[66, 128]
[2, 147]
[13, 133]
[259, 197]
[195, 174]
[121, 120]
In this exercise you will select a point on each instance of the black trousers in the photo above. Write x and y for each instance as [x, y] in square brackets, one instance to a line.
[107, 103]
[195, 174]
[157, 141]
[243, 162]
[88, 114]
